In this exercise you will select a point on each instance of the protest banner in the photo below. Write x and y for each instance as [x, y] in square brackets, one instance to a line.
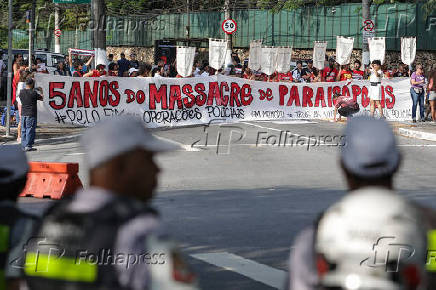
[408, 50]
[188, 101]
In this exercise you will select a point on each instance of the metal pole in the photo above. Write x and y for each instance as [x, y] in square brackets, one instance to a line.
[31, 33]
[365, 15]
[9, 90]
[227, 16]
[57, 38]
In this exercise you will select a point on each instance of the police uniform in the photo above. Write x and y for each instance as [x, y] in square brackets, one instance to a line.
[99, 239]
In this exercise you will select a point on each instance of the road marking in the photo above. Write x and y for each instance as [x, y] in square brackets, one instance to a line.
[183, 146]
[248, 268]
[74, 154]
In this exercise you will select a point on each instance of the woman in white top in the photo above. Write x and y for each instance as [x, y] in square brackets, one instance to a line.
[21, 85]
[375, 87]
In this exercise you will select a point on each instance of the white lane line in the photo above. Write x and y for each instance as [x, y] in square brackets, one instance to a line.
[248, 268]
[74, 154]
[182, 146]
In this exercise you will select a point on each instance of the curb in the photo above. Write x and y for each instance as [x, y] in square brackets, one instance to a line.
[417, 134]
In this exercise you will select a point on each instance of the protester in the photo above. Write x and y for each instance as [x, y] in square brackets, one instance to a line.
[40, 66]
[123, 65]
[357, 72]
[375, 87]
[346, 106]
[20, 86]
[156, 72]
[134, 63]
[21, 66]
[16, 225]
[110, 59]
[308, 71]
[335, 248]
[316, 76]
[432, 94]
[144, 70]
[401, 72]
[329, 73]
[113, 214]
[16, 63]
[297, 73]
[113, 70]
[78, 69]
[98, 72]
[61, 70]
[344, 74]
[29, 97]
[133, 72]
[417, 80]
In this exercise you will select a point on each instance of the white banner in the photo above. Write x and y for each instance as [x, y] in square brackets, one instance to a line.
[76, 51]
[377, 49]
[163, 102]
[283, 60]
[268, 62]
[255, 55]
[319, 49]
[344, 48]
[185, 60]
[217, 53]
[408, 50]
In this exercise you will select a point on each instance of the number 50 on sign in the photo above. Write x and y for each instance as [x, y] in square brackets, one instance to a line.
[229, 26]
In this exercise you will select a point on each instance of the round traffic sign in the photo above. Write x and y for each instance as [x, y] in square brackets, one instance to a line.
[368, 25]
[229, 26]
[57, 32]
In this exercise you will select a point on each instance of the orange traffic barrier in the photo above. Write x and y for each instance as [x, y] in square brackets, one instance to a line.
[52, 180]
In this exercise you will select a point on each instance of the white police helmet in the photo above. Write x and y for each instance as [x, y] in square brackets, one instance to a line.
[372, 239]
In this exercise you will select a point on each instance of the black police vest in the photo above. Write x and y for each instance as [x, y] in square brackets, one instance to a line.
[9, 215]
[76, 250]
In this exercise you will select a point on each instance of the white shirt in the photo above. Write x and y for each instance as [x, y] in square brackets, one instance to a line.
[20, 86]
[373, 78]
[205, 74]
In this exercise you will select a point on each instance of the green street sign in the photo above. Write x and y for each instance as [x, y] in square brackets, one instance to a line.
[72, 1]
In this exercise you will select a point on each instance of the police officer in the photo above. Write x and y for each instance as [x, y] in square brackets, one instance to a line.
[107, 236]
[336, 252]
[16, 226]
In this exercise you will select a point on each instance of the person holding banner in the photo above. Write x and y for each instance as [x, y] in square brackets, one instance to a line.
[297, 73]
[329, 73]
[417, 80]
[77, 68]
[357, 73]
[344, 74]
[98, 72]
[375, 87]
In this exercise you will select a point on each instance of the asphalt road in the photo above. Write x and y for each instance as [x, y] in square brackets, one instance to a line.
[239, 207]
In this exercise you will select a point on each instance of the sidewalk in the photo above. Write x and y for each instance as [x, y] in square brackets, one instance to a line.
[423, 131]
[43, 132]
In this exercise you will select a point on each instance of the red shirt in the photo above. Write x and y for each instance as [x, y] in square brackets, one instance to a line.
[287, 77]
[96, 73]
[112, 73]
[345, 75]
[329, 75]
[357, 75]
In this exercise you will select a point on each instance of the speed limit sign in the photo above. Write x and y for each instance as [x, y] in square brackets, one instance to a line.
[229, 26]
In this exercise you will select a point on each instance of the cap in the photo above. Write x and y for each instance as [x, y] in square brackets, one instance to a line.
[370, 150]
[331, 58]
[14, 163]
[132, 70]
[118, 135]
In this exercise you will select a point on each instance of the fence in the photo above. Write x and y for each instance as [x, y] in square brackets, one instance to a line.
[298, 28]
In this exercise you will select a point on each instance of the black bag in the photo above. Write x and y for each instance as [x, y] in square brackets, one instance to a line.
[349, 110]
